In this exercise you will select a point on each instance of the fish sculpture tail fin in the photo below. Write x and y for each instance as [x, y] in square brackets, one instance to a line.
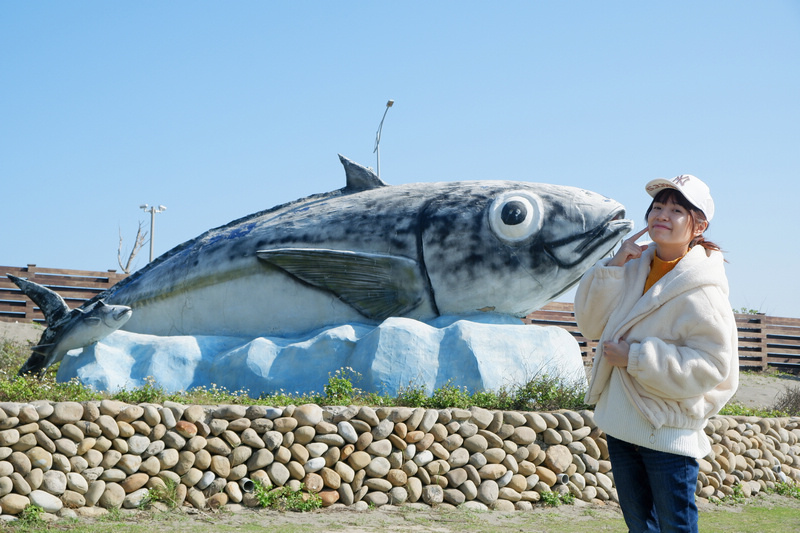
[50, 302]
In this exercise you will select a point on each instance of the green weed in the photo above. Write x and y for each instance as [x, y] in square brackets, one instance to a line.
[789, 489]
[554, 499]
[736, 498]
[31, 518]
[285, 499]
[168, 495]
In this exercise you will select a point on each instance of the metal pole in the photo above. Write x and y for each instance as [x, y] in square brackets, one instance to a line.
[152, 210]
[377, 149]
[152, 230]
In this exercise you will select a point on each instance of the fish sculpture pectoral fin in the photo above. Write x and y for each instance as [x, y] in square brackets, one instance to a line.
[377, 286]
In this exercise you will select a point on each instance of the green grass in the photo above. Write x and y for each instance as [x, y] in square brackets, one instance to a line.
[768, 514]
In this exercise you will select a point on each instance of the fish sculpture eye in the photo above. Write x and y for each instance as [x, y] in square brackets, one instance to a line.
[514, 213]
[515, 216]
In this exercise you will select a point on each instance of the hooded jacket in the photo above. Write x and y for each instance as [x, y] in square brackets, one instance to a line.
[683, 364]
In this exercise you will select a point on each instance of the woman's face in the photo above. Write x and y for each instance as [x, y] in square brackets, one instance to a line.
[671, 226]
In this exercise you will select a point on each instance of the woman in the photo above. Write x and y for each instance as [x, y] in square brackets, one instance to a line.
[667, 359]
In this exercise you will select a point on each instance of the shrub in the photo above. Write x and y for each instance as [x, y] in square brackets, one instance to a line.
[549, 393]
[788, 402]
[449, 395]
[412, 396]
[339, 389]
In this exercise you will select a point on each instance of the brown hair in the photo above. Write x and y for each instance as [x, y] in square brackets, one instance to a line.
[695, 214]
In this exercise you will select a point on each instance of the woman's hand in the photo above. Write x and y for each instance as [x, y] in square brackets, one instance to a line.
[616, 353]
[628, 250]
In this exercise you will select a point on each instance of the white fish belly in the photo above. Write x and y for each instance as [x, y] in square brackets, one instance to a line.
[260, 304]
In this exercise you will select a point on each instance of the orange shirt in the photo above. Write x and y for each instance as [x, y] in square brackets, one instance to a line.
[658, 269]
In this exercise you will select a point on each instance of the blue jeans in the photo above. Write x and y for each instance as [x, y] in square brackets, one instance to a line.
[655, 489]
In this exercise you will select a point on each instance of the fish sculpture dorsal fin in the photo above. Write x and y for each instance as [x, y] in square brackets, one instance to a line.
[359, 178]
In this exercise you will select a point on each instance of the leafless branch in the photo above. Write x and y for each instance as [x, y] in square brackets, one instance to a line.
[141, 239]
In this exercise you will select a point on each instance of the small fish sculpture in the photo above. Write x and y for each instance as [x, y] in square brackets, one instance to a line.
[67, 330]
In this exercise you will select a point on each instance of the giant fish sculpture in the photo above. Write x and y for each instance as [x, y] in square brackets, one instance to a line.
[370, 251]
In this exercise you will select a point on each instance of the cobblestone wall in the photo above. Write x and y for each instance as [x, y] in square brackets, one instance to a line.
[107, 454]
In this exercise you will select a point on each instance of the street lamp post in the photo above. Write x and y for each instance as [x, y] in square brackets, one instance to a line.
[152, 210]
[377, 149]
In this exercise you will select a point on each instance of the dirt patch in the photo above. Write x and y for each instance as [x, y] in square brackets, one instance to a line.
[20, 333]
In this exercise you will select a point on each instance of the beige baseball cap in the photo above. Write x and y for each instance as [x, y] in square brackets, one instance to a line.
[697, 192]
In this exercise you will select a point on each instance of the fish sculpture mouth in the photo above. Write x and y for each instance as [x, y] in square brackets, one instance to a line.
[573, 250]
[122, 314]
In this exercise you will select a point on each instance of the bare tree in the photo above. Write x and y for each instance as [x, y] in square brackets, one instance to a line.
[141, 239]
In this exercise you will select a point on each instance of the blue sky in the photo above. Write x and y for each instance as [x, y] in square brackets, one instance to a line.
[220, 109]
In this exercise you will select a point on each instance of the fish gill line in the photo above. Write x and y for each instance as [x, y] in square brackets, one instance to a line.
[422, 216]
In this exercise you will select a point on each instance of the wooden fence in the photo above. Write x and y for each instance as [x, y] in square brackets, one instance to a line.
[764, 341]
[75, 286]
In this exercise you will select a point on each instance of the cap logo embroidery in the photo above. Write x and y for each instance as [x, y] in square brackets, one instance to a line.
[681, 180]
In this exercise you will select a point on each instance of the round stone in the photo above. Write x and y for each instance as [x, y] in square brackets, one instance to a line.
[134, 482]
[134, 499]
[358, 460]
[476, 444]
[488, 491]
[185, 429]
[112, 497]
[558, 458]
[193, 413]
[13, 504]
[129, 463]
[54, 482]
[378, 467]
[278, 473]
[380, 447]
[308, 414]
[137, 444]
[77, 483]
[96, 490]
[284, 424]
[384, 428]
[330, 478]
[314, 465]
[329, 497]
[347, 432]
[414, 489]
[432, 494]
[250, 438]
[66, 412]
[40, 458]
[221, 466]
[20, 462]
[205, 480]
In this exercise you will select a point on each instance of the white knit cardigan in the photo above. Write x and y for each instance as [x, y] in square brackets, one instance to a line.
[683, 363]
